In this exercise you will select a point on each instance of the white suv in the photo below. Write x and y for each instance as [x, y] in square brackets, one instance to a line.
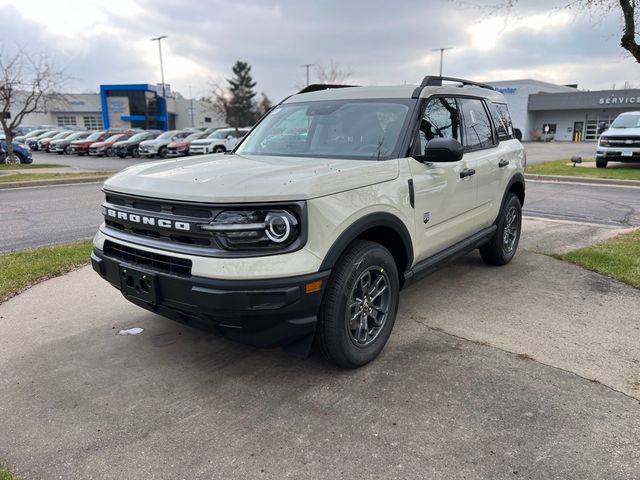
[621, 141]
[220, 141]
[309, 229]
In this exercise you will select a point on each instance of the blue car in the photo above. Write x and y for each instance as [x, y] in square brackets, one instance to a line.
[21, 151]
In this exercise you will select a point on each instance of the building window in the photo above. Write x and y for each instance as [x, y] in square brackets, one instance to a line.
[207, 119]
[549, 128]
[93, 123]
[67, 120]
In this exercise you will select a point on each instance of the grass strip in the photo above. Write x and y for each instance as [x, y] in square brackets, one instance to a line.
[21, 270]
[25, 177]
[6, 474]
[618, 258]
[30, 166]
[560, 167]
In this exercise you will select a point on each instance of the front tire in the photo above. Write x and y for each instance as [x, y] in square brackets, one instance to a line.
[162, 153]
[359, 307]
[601, 164]
[219, 149]
[502, 247]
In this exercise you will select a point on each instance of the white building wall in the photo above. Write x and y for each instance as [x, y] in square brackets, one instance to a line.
[204, 115]
[517, 92]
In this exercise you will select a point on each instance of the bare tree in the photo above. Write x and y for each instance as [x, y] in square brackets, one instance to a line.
[628, 10]
[28, 82]
[333, 74]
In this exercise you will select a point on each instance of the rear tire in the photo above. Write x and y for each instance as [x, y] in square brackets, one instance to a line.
[502, 247]
[359, 306]
[601, 164]
[135, 153]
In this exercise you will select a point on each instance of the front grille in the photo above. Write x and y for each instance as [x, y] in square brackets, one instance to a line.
[150, 260]
[621, 141]
[173, 211]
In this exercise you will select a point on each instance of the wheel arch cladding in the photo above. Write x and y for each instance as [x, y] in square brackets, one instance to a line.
[383, 228]
[516, 186]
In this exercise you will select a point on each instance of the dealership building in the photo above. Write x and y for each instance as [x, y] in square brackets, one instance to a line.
[126, 106]
[562, 112]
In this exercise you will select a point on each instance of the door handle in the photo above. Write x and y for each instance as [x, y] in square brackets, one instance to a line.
[503, 163]
[467, 172]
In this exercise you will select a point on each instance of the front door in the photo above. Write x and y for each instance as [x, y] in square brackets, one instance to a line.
[443, 198]
[577, 131]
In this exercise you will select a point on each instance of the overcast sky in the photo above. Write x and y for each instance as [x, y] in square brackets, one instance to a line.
[381, 42]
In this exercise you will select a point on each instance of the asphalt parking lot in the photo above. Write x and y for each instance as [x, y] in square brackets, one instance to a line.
[526, 371]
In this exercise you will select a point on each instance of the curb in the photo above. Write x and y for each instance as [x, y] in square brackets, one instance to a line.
[46, 183]
[594, 181]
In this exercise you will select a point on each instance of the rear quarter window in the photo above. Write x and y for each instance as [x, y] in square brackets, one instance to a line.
[502, 120]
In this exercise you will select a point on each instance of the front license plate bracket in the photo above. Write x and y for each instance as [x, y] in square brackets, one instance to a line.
[139, 284]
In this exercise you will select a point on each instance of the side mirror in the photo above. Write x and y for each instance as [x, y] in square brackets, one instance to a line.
[229, 137]
[441, 150]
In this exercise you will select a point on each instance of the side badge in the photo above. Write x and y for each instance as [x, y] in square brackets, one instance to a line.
[425, 217]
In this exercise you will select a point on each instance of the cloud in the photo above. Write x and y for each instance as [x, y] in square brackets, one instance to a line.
[381, 42]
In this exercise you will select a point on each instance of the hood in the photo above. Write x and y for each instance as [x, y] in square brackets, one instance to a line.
[155, 142]
[622, 132]
[83, 142]
[121, 143]
[178, 144]
[207, 141]
[241, 179]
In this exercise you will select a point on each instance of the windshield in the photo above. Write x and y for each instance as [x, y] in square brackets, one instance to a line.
[76, 136]
[61, 135]
[363, 130]
[114, 138]
[167, 135]
[194, 136]
[627, 121]
[48, 134]
[139, 136]
[94, 136]
[220, 134]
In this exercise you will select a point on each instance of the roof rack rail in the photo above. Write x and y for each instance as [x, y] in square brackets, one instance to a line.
[436, 81]
[316, 87]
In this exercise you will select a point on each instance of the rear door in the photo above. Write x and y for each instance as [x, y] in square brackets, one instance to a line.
[482, 153]
[444, 199]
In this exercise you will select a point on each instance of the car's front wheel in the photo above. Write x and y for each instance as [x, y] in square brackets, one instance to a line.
[502, 247]
[360, 305]
[601, 164]
[219, 149]
[162, 153]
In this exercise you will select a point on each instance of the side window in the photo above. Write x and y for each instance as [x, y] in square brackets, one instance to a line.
[477, 126]
[441, 119]
[498, 122]
[503, 111]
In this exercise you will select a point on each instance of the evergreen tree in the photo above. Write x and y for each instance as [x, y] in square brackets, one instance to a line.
[240, 106]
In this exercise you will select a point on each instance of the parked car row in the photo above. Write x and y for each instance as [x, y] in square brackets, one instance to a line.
[134, 143]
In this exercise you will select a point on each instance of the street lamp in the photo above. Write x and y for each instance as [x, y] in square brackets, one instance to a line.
[307, 65]
[159, 40]
[441, 50]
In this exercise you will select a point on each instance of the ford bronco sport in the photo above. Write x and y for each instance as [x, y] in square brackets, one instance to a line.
[307, 231]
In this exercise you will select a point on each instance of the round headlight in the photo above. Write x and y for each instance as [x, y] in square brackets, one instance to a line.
[278, 226]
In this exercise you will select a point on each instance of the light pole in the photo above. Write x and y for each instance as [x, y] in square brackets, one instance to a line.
[191, 101]
[441, 50]
[159, 40]
[307, 66]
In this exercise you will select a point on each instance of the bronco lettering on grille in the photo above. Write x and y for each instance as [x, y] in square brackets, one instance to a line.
[146, 220]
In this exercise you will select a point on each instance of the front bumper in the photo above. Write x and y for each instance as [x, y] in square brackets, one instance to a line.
[264, 313]
[618, 154]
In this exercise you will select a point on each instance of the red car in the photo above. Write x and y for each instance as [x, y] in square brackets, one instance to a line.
[105, 148]
[81, 147]
[180, 147]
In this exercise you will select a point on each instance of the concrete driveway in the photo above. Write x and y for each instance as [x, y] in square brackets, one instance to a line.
[526, 371]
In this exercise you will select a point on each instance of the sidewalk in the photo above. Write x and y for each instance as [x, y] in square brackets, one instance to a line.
[488, 371]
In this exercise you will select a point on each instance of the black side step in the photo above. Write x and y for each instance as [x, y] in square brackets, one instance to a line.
[433, 263]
